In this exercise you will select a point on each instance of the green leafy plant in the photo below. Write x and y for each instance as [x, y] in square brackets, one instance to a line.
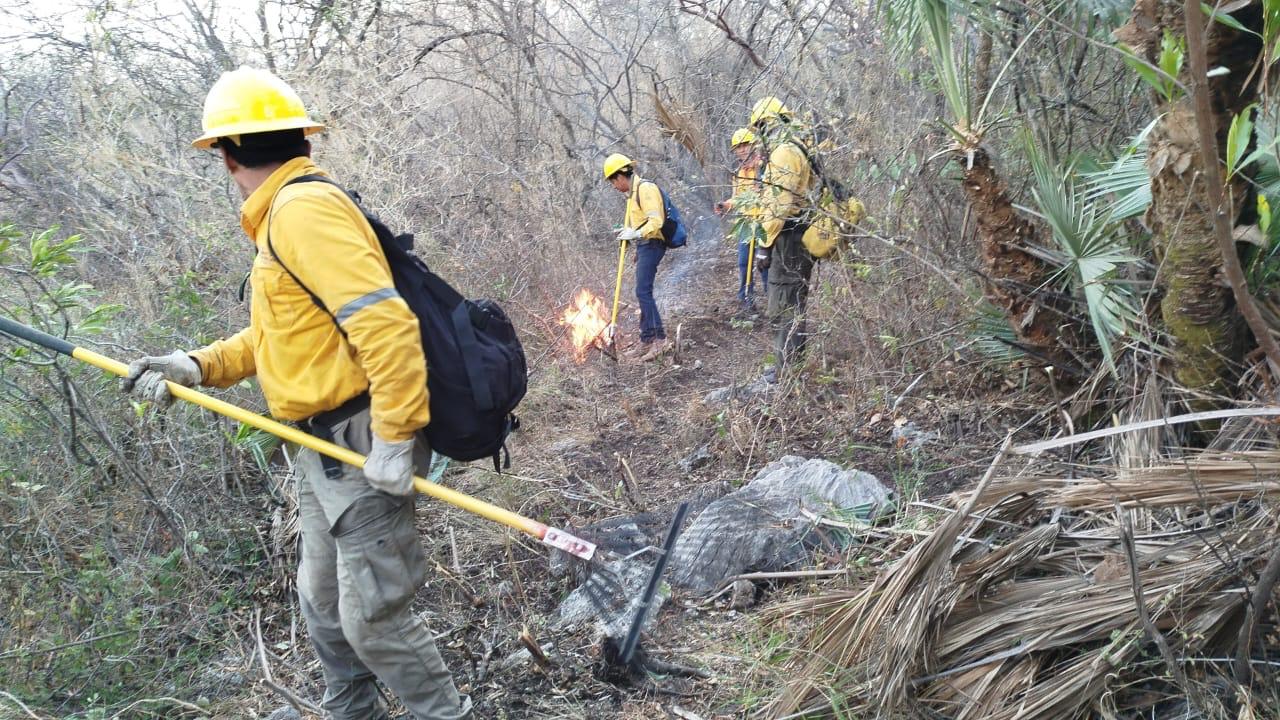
[1238, 138]
[1163, 76]
[991, 335]
[1224, 19]
[1262, 263]
[49, 254]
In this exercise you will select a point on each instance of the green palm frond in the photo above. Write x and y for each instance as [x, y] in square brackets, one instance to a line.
[911, 24]
[1125, 180]
[991, 335]
[258, 443]
[1090, 249]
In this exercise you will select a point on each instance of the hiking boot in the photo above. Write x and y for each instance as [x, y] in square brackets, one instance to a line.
[637, 351]
[656, 350]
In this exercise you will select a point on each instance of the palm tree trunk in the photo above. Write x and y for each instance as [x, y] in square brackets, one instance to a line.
[1014, 278]
[1200, 316]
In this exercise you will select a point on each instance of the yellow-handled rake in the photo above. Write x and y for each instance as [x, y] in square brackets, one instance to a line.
[603, 586]
[610, 332]
[554, 537]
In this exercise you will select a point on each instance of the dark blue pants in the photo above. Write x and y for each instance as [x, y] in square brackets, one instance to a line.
[747, 285]
[648, 255]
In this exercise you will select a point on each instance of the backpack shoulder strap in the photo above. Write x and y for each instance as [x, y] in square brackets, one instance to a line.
[271, 248]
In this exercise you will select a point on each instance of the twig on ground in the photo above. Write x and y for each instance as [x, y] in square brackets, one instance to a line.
[662, 667]
[298, 703]
[535, 650]
[781, 575]
[1153, 633]
[171, 700]
[628, 482]
[453, 548]
[1257, 606]
[787, 574]
[19, 703]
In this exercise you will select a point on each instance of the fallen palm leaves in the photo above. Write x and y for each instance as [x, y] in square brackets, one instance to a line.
[1023, 602]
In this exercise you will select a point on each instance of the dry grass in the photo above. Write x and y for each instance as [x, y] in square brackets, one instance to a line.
[1021, 604]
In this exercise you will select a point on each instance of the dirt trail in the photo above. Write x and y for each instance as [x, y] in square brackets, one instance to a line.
[693, 277]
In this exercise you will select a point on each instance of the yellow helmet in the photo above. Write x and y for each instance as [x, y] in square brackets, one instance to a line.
[616, 163]
[768, 108]
[742, 136]
[250, 100]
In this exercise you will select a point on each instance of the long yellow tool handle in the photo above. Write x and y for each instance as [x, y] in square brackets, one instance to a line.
[551, 536]
[751, 256]
[617, 283]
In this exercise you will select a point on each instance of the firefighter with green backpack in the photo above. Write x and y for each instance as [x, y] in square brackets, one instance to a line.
[801, 215]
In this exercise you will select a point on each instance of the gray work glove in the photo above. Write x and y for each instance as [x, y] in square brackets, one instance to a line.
[764, 258]
[629, 234]
[146, 377]
[389, 467]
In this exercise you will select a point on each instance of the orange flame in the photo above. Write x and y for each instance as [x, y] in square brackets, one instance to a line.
[587, 320]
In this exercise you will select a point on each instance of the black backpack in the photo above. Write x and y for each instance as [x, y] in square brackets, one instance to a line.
[476, 371]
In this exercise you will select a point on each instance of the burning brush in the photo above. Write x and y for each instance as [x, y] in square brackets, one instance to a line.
[589, 325]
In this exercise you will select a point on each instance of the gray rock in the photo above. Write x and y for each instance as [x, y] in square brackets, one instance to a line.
[719, 396]
[284, 713]
[743, 595]
[722, 396]
[696, 459]
[770, 523]
[910, 436]
[567, 446]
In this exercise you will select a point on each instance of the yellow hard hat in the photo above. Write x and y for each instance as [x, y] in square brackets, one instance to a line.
[742, 136]
[767, 108]
[250, 100]
[615, 163]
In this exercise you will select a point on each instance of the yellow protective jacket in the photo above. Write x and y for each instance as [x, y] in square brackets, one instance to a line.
[644, 209]
[304, 365]
[746, 184]
[787, 180]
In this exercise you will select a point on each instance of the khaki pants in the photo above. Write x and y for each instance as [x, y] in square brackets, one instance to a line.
[361, 564]
[789, 271]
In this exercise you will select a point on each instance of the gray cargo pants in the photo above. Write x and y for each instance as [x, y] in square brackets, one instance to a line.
[361, 563]
[789, 271]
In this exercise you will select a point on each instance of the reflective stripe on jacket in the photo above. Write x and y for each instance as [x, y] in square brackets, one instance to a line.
[787, 177]
[303, 363]
[645, 210]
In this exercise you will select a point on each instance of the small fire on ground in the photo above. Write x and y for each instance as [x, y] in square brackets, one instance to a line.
[587, 320]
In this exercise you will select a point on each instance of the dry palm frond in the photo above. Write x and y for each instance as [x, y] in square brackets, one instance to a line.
[678, 122]
[1144, 448]
[1208, 479]
[1038, 619]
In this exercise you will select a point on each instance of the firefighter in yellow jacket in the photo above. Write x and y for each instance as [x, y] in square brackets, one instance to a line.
[642, 226]
[363, 387]
[785, 185]
[745, 203]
